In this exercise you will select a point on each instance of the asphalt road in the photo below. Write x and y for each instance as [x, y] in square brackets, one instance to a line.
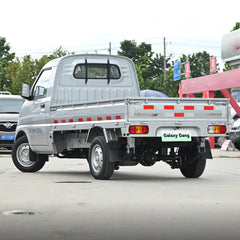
[63, 201]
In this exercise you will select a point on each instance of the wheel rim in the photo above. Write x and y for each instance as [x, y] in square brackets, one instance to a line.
[23, 155]
[97, 159]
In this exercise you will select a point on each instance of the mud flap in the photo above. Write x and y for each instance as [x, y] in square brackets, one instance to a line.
[208, 152]
[114, 152]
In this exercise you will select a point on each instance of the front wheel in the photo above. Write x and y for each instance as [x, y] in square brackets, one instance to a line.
[24, 158]
[194, 169]
[99, 162]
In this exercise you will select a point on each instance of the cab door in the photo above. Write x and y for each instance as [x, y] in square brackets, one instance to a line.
[37, 109]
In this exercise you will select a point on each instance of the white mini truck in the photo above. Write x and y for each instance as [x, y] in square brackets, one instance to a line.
[89, 106]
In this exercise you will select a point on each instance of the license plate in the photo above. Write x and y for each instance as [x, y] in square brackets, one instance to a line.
[176, 136]
[7, 137]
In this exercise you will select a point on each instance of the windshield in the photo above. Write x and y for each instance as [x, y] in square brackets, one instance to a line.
[10, 105]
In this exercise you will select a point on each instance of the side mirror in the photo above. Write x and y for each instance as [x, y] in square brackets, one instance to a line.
[25, 91]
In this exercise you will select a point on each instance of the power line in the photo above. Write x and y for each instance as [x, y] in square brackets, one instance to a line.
[176, 43]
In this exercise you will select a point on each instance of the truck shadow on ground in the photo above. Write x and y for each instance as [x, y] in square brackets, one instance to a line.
[86, 177]
[123, 176]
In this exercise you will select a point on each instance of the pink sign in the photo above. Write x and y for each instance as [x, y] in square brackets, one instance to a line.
[187, 70]
[213, 64]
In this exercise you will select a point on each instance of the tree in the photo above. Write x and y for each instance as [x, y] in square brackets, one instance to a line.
[28, 69]
[199, 63]
[140, 78]
[157, 65]
[59, 52]
[141, 56]
[169, 86]
[129, 49]
[237, 26]
[5, 58]
[19, 72]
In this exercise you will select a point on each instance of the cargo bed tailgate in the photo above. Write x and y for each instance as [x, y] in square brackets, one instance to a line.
[186, 114]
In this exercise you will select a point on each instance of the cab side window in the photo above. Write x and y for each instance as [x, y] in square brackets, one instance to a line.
[40, 88]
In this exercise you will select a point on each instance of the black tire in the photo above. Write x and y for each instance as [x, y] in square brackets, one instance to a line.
[237, 146]
[194, 169]
[24, 158]
[98, 158]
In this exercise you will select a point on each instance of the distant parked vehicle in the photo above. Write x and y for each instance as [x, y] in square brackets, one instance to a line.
[10, 106]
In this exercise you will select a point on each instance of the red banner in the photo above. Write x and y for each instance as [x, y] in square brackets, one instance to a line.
[213, 64]
[187, 70]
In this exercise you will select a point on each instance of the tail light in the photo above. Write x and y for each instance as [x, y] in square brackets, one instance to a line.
[138, 129]
[217, 129]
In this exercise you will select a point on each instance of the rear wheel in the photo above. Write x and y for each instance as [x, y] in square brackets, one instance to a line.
[99, 162]
[24, 158]
[237, 145]
[194, 169]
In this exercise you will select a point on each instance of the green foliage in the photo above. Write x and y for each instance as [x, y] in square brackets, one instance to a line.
[5, 58]
[20, 71]
[169, 87]
[237, 26]
[149, 67]
[141, 56]
[27, 70]
[199, 63]
[226, 67]
[140, 77]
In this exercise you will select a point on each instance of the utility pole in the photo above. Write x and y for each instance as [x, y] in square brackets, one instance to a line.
[110, 48]
[164, 62]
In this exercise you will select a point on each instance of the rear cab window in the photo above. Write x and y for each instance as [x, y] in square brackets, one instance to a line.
[96, 71]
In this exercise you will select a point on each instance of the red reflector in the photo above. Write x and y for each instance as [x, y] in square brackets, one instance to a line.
[63, 121]
[109, 118]
[80, 120]
[99, 118]
[188, 107]
[223, 129]
[217, 129]
[55, 121]
[168, 107]
[118, 117]
[208, 107]
[148, 107]
[89, 119]
[220, 129]
[138, 129]
[70, 120]
[178, 114]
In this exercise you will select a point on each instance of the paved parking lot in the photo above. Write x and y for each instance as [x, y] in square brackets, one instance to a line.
[63, 201]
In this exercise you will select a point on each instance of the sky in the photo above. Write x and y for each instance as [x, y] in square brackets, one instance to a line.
[34, 27]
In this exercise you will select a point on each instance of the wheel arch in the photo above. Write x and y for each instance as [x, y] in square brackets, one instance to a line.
[20, 134]
[111, 138]
[110, 135]
[94, 132]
